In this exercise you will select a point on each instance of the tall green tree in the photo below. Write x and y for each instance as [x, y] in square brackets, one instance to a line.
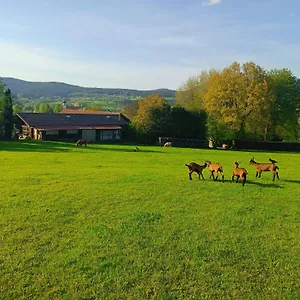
[2, 90]
[285, 88]
[7, 118]
[187, 124]
[57, 107]
[43, 108]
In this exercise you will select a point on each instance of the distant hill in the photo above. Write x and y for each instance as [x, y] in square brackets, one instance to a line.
[35, 90]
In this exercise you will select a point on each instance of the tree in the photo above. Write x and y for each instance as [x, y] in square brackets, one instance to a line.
[191, 94]
[285, 88]
[57, 108]
[131, 110]
[17, 109]
[7, 114]
[152, 119]
[187, 124]
[2, 90]
[238, 98]
[43, 108]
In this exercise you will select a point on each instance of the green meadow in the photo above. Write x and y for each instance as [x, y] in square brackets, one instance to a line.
[105, 222]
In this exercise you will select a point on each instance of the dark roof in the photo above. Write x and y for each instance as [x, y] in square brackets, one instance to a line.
[45, 120]
[78, 127]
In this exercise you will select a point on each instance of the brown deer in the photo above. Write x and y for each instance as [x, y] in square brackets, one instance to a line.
[240, 173]
[265, 167]
[215, 169]
[194, 167]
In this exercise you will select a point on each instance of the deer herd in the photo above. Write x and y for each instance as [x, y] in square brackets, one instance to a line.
[216, 169]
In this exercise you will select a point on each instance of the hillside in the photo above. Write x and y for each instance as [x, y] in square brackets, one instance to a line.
[35, 90]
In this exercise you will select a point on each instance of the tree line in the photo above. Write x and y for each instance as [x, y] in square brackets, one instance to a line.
[245, 102]
[242, 102]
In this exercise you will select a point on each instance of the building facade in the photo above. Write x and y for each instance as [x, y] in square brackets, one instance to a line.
[71, 127]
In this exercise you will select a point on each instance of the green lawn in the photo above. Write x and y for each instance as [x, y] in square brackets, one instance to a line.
[105, 222]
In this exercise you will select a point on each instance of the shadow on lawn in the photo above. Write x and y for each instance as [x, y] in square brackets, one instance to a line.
[291, 181]
[265, 185]
[249, 182]
[51, 146]
[35, 146]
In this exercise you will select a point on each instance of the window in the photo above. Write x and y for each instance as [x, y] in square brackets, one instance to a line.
[52, 132]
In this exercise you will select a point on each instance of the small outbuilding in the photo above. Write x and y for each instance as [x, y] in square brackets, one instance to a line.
[73, 126]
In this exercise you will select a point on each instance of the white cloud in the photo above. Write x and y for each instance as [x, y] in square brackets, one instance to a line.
[211, 2]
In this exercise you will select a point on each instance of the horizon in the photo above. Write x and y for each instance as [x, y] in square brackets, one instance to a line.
[144, 46]
[81, 86]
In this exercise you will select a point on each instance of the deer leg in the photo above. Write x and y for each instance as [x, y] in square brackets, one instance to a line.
[190, 175]
[237, 179]
[222, 177]
[217, 175]
[243, 181]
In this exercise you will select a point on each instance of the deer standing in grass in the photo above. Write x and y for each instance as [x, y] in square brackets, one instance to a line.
[239, 173]
[194, 167]
[265, 167]
[215, 169]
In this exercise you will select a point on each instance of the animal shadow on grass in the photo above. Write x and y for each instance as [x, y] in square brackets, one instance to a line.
[53, 146]
[291, 181]
[265, 185]
[35, 146]
[121, 149]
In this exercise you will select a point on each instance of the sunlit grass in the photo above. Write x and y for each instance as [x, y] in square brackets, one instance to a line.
[106, 222]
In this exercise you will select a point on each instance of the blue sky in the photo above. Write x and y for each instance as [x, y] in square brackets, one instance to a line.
[144, 44]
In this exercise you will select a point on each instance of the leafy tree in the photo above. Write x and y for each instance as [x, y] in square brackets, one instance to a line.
[186, 124]
[17, 108]
[7, 118]
[57, 107]
[285, 88]
[191, 94]
[152, 119]
[43, 108]
[131, 109]
[238, 98]
[2, 90]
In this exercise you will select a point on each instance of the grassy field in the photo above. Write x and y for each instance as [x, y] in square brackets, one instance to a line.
[105, 222]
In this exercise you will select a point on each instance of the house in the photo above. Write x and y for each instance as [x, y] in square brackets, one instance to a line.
[73, 126]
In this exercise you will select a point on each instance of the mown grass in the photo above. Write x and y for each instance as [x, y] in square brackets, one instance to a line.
[105, 222]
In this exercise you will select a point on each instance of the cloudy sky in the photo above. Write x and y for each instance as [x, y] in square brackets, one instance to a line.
[144, 44]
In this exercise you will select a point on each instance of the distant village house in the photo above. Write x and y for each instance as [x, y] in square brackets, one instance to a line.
[73, 124]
